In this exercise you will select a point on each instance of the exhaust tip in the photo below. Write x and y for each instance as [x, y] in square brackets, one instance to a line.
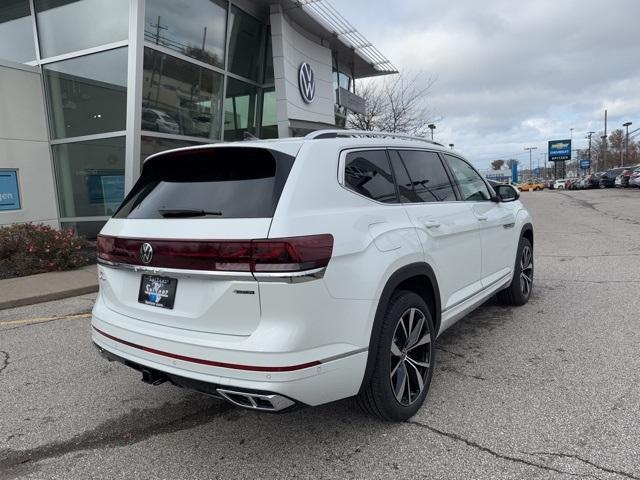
[270, 402]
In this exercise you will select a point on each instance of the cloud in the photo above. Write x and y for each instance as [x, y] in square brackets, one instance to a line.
[513, 74]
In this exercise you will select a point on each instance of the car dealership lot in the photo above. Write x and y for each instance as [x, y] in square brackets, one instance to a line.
[547, 390]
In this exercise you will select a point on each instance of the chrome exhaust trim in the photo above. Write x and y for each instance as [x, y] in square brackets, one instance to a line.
[269, 402]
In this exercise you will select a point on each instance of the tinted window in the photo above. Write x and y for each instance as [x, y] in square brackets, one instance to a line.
[471, 185]
[421, 177]
[229, 182]
[368, 173]
[246, 45]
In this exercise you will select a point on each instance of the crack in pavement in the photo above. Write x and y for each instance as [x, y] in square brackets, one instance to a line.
[4, 360]
[588, 462]
[133, 427]
[493, 453]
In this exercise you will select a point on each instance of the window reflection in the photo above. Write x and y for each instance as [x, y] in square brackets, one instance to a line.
[89, 176]
[87, 95]
[269, 127]
[246, 45]
[196, 28]
[68, 25]
[180, 98]
[239, 109]
[16, 33]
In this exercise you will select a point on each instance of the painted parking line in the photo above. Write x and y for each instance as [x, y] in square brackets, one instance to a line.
[27, 321]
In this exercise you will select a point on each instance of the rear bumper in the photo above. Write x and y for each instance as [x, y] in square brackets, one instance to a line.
[309, 377]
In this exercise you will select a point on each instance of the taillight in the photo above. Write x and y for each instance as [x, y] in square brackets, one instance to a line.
[292, 254]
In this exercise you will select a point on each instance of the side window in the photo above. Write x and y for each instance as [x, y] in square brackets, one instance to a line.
[368, 173]
[421, 177]
[472, 186]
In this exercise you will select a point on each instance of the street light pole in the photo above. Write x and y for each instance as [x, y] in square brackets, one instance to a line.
[530, 162]
[626, 147]
[432, 127]
[451, 145]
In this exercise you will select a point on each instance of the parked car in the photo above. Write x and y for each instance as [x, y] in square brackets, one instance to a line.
[319, 268]
[591, 181]
[626, 176]
[534, 185]
[158, 121]
[634, 179]
[608, 178]
[560, 184]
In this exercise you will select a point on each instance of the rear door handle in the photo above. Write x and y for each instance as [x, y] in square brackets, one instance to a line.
[482, 218]
[431, 224]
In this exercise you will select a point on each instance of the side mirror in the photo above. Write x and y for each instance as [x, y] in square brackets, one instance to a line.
[507, 193]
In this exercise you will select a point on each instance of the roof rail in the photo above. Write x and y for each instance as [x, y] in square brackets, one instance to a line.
[335, 133]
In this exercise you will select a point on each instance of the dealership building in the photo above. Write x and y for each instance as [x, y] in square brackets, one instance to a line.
[90, 88]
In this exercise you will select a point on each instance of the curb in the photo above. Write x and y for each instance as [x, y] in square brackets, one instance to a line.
[74, 292]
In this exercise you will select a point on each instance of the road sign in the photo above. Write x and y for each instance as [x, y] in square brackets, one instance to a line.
[585, 163]
[559, 150]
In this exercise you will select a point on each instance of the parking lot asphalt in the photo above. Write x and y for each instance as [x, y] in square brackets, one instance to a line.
[547, 390]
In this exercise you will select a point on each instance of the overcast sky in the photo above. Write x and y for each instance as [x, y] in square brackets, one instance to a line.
[512, 74]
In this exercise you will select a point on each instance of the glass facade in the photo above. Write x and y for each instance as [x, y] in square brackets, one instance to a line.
[16, 31]
[89, 176]
[179, 97]
[207, 75]
[240, 110]
[196, 28]
[246, 45]
[70, 25]
[87, 95]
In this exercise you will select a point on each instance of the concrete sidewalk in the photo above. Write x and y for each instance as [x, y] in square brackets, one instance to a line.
[15, 292]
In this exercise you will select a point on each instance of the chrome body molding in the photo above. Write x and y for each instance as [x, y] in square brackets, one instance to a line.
[284, 277]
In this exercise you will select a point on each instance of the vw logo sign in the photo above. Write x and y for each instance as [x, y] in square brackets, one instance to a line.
[146, 252]
[306, 82]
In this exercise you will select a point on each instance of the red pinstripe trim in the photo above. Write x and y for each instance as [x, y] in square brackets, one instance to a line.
[210, 363]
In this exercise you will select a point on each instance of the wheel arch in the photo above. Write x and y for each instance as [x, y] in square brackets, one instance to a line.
[527, 232]
[416, 277]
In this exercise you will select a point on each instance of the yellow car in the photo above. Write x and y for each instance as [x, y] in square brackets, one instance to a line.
[528, 186]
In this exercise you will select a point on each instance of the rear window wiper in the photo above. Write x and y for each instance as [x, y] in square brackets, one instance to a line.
[186, 213]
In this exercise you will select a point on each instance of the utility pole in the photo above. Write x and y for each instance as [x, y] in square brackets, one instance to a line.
[626, 146]
[604, 141]
[589, 137]
[530, 162]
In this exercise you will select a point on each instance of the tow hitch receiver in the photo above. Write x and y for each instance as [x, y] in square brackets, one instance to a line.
[153, 377]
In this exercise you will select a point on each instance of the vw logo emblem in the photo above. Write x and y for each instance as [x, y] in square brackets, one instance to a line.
[146, 252]
[306, 82]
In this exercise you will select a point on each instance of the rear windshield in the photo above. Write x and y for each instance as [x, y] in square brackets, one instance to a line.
[224, 182]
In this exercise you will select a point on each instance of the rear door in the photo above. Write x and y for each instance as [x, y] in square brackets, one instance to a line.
[447, 228]
[197, 210]
[495, 221]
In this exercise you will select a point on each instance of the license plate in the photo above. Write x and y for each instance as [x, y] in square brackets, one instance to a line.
[157, 291]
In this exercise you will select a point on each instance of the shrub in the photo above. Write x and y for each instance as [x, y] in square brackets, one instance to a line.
[27, 249]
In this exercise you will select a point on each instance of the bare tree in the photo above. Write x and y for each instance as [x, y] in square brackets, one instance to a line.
[497, 164]
[511, 162]
[395, 104]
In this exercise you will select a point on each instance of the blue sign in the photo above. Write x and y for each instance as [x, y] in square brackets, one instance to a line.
[536, 171]
[514, 172]
[559, 150]
[9, 191]
[585, 163]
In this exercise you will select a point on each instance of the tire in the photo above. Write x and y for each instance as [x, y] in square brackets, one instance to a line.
[401, 356]
[519, 291]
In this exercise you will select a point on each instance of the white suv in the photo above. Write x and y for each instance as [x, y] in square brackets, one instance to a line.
[302, 271]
